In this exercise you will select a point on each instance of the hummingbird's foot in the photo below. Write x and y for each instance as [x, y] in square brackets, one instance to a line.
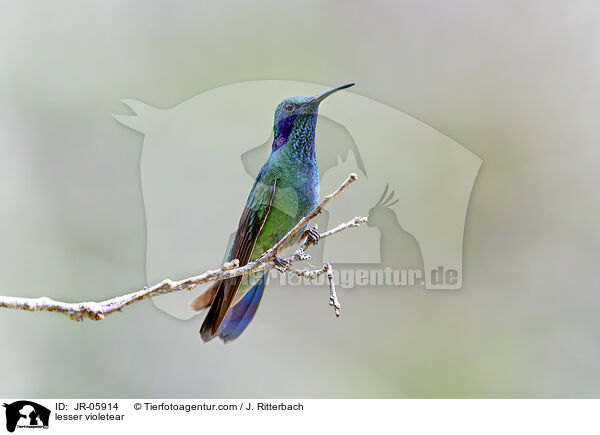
[302, 255]
[312, 236]
[281, 264]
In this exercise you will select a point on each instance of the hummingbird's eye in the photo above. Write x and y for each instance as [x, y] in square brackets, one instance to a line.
[289, 107]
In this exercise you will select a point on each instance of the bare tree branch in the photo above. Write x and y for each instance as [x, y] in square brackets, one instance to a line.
[79, 311]
[333, 300]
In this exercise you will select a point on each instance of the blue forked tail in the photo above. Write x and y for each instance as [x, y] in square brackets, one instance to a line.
[240, 315]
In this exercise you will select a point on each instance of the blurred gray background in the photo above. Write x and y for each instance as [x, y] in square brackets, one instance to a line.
[514, 82]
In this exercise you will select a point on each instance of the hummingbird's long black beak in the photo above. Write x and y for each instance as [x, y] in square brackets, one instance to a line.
[321, 97]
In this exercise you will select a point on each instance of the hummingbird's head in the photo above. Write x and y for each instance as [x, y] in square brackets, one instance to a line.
[296, 120]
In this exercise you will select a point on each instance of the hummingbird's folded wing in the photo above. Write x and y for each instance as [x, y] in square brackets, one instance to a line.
[251, 223]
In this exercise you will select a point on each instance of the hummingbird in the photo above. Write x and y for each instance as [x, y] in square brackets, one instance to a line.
[285, 190]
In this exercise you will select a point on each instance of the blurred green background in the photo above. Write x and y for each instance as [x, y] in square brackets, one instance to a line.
[515, 82]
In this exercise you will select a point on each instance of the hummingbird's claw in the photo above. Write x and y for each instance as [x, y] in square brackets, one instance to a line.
[281, 264]
[312, 236]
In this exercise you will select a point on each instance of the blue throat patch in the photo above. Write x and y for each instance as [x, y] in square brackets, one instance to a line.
[284, 128]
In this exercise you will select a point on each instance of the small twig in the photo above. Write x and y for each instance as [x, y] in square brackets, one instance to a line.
[99, 310]
[310, 274]
[353, 223]
[333, 300]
